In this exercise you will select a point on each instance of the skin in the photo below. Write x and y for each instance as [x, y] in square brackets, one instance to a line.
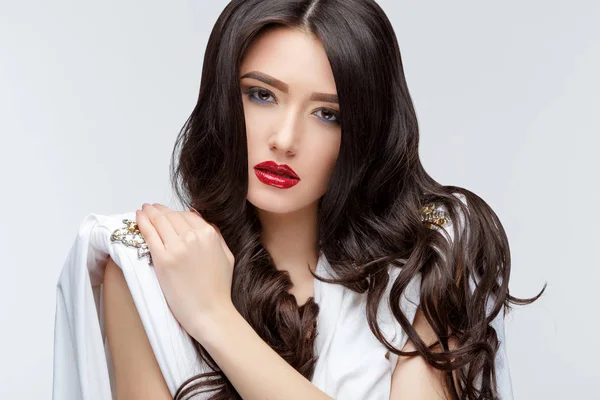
[285, 125]
[288, 128]
[413, 378]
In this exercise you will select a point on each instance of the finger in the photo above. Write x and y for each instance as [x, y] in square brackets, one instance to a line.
[180, 224]
[161, 207]
[195, 219]
[223, 243]
[149, 233]
[163, 225]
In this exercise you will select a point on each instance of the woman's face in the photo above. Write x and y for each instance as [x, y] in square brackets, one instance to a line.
[292, 117]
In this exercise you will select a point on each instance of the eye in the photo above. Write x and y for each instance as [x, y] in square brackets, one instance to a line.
[329, 116]
[261, 95]
[258, 94]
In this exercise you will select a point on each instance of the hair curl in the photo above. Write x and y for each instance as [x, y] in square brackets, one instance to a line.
[375, 212]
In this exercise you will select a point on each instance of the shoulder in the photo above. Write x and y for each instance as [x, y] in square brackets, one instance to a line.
[96, 227]
[439, 214]
[450, 218]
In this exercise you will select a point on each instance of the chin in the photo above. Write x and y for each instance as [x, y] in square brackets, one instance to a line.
[274, 200]
[271, 202]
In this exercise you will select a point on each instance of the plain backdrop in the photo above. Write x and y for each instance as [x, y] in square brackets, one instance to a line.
[93, 94]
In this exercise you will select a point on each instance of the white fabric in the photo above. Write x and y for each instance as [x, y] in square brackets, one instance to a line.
[352, 364]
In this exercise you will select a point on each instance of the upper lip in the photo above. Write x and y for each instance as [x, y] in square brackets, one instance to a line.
[280, 168]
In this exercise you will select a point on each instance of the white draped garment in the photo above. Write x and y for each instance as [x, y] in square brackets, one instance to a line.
[352, 363]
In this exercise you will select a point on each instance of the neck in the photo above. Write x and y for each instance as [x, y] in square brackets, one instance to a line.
[291, 239]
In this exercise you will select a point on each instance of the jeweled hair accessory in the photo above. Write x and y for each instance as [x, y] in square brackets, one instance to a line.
[132, 237]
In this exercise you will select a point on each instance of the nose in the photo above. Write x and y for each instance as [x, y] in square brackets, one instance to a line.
[287, 134]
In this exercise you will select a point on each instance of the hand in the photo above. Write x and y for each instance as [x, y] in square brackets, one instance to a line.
[193, 264]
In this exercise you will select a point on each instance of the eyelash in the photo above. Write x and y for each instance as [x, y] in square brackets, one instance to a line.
[251, 91]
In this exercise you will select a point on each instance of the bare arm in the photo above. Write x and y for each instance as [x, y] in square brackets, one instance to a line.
[413, 378]
[137, 374]
[256, 370]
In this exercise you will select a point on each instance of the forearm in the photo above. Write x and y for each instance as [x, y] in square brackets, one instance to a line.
[256, 371]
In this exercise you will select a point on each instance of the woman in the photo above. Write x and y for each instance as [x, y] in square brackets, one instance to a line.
[323, 260]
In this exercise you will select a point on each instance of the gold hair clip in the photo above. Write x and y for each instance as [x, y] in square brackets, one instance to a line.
[132, 237]
[432, 216]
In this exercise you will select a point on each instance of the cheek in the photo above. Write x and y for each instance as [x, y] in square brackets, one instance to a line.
[258, 122]
[253, 124]
[326, 162]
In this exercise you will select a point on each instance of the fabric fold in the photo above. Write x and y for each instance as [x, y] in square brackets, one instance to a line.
[82, 366]
[352, 363]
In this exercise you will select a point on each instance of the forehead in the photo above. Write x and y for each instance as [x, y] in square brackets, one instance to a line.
[292, 56]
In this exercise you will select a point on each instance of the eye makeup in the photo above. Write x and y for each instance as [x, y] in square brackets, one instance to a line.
[254, 94]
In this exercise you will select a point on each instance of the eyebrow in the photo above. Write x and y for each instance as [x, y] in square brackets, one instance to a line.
[276, 83]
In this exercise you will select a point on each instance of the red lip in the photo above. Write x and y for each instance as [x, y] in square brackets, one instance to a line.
[280, 169]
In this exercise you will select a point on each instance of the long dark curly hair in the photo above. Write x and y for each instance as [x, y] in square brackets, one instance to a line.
[371, 216]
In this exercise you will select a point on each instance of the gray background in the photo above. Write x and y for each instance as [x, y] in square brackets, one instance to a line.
[92, 96]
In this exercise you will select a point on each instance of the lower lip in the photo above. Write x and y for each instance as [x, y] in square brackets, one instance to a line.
[274, 179]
